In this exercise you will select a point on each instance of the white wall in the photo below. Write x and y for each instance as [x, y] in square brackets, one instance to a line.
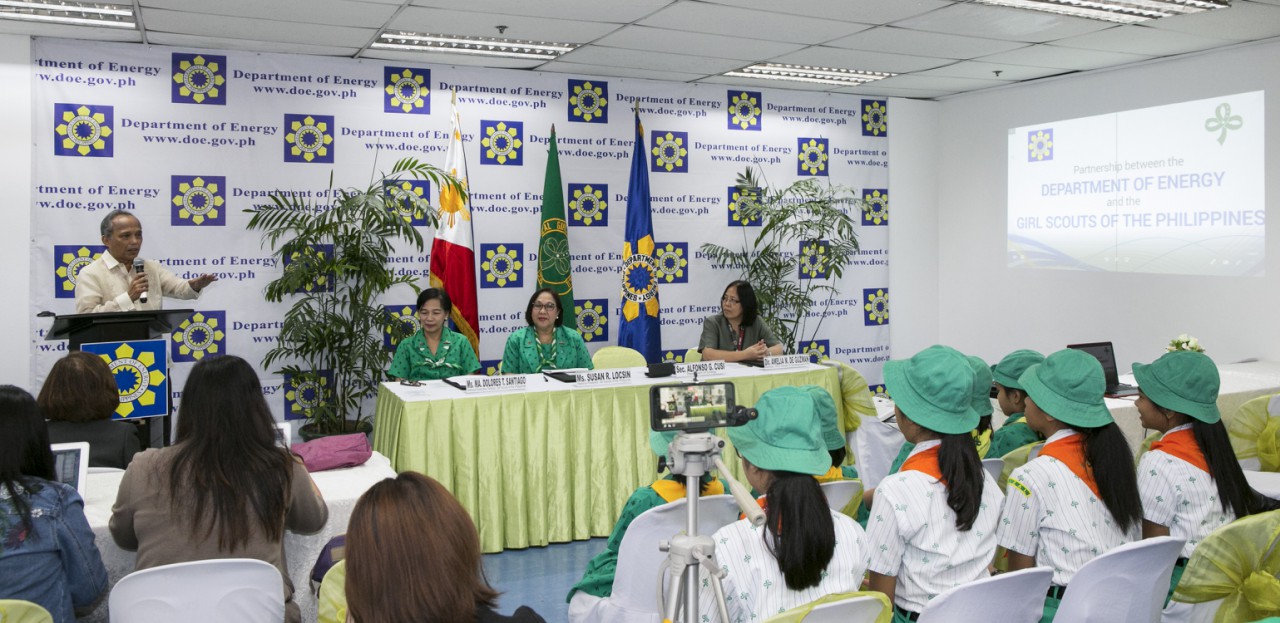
[988, 309]
[913, 226]
[15, 228]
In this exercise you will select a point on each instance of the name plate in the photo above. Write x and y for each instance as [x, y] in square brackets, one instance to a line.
[787, 361]
[602, 377]
[484, 384]
[701, 368]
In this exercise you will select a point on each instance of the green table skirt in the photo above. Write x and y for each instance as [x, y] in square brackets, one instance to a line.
[544, 467]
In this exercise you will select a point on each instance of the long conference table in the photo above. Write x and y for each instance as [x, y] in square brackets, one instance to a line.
[552, 463]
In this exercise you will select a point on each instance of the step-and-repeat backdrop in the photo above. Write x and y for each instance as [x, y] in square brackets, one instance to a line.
[187, 139]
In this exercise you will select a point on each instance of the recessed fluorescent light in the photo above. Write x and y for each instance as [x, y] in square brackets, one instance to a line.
[1122, 11]
[74, 13]
[480, 46]
[804, 73]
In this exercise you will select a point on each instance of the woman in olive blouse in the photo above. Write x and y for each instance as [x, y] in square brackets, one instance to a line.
[545, 344]
[435, 352]
[737, 333]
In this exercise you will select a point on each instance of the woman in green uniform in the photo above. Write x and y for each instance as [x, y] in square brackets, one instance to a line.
[545, 344]
[435, 352]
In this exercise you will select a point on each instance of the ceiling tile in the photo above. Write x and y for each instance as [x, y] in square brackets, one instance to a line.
[879, 91]
[616, 72]
[1244, 21]
[332, 12]
[695, 44]
[822, 56]
[940, 83]
[985, 71]
[734, 22]
[760, 83]
[997, 22]
[865, 11]
[656, 61]
[467, 60]
[1063, 58]
[451, 22]
[223, 43]
[895, 40]
[515, 11]
[18, 27]
[246, 28]
[1141, 39]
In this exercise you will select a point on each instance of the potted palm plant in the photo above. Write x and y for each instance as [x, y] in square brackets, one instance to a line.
[335, 254]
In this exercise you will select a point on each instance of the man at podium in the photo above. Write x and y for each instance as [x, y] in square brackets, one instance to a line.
[120, 281]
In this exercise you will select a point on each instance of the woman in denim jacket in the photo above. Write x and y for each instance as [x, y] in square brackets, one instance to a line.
[47, 555]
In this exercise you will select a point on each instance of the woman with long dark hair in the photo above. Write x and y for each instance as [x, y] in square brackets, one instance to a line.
[47, 554]
[413, 555]
[78, 398]
[1079, 498]
[934, 521]
[738, 333]
[1190, 481]
[224, 489]
[805, 550]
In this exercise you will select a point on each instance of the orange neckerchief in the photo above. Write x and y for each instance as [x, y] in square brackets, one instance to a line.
[1070, 450]
[764, 506]
[925, 462]
[1182, 444]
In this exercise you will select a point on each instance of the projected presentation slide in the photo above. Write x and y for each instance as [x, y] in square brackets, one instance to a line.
[1174, 189]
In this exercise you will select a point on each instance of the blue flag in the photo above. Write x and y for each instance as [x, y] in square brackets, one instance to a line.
[640, 328]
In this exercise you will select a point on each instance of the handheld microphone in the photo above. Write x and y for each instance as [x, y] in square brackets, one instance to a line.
[138, 268]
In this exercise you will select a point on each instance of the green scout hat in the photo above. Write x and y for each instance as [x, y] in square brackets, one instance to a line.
[935, 389]
[1184, 381]
[1069, 386]
[786, 436]
[981, 386]
[1013, 365]
[826, 408]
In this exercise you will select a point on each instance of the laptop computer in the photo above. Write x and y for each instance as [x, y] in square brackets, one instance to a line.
[71, 464]
[1106, 355]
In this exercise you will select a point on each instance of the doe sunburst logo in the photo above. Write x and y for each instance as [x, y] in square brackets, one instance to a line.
[593, 319]
[198, 200]
[813, 155]
[308, 138]
[502, 265]
[199, 79]
[305, 392]
[140, 369]
[201, 334]
[407, 90]
[589, 101]
[68, 261]
[83, 130]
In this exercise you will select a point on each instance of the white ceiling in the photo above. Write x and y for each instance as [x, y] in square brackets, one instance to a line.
[938, 47]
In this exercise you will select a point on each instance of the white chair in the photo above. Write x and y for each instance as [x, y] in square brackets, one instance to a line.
[1266, 483]
[1125, 585]
[994, 467]
[635, 584]
[205, 591]
[863, 609]
[19, 611]
[840, 492]
[1020, 595]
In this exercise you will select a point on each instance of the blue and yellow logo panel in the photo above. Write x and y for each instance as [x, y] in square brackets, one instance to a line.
[875, 307]
[673, 261]
[491, 367]
[875, 206]
[503, 143]
[198, 200]
[589, 204]
[813, 259]
[743, 205]
[68, 261]
[402, 322]
[1040, 145]
[309, 138]
[303, 393]
[744, 110]
[203, 333]
[593, 319]
[141, 370]
[319, 254]
[502, 265]
[83, 130]
[817, 350]
[813, 154]
[410, 199]
[673, 356]
[879, 390]
[199, 79]
[875, 118]
[406, 90]
[588, 101]
[670, 152]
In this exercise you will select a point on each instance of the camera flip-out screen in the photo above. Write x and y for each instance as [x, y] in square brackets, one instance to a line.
[699, 406]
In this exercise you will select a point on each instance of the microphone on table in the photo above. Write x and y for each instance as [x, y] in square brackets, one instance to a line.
[138, 268]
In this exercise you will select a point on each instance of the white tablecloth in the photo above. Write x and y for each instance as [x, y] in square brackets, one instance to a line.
[340, 488]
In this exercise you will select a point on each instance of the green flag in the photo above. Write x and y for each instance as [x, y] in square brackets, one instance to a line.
[554, 268]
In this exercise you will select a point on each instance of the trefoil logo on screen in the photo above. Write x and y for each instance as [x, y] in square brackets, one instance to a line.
[407, 91]
[1222, 121]
[199, 335]
[69, 260]
[83, 130]
[744, 110]
[197, 200]
[502, 142]
[1040, 145]
[308, 138]
[812, 153]
[588, 101]
[670, 151]
[672, 261]
[502, 266]
[592, 316]
[199, 79]
[589, 204]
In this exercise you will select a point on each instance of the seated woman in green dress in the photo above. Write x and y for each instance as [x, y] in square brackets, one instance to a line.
[545, 344]
[435, 352]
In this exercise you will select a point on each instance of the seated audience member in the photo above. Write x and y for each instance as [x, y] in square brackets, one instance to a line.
[224, 489]
[413, 554]
[1079, 498]
[981, 399]
[435, 351]
[832, 438]
[934, 522]
[597, 582]
[1014, 433]
[737, 333]
[545, 344]
[79, 397]
[47, 553]
[805, 550]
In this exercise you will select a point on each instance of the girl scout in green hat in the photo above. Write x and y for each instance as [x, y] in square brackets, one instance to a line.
[1052, 517]
[804, 550]
[1179, 398]
[934, 521]
[1014, 433]
[981, 399]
